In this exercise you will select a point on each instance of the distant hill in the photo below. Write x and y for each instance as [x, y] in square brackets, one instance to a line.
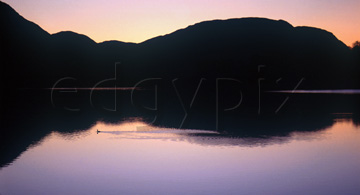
[31, 57]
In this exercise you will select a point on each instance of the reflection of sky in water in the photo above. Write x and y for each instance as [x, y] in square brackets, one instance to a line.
[140, 130]
[336, 91]
[132, 157]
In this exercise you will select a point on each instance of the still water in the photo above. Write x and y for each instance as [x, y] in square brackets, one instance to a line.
[132, 157]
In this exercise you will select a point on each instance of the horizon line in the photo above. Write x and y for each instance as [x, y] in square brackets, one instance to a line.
[179, 29]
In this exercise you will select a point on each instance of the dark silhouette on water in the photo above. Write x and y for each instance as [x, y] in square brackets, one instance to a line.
[248, 50]
[27, 123]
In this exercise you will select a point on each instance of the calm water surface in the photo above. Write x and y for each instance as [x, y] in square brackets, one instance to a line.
[135, 158]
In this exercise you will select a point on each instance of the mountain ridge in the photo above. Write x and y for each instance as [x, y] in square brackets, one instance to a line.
[7, 7]
[232, 48]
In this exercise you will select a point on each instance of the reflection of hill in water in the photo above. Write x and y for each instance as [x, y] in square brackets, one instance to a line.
[246, 50]
[27, 122]
[202, 137]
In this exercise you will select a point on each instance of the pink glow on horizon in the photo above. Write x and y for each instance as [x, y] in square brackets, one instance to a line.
[95, 88]
[139, 20]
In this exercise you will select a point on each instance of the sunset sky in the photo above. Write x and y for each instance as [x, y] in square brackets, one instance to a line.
[139, 20]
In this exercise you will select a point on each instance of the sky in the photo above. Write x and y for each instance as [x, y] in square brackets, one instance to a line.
[139, 20]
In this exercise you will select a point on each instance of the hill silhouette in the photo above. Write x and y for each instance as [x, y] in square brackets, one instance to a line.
[211, 49]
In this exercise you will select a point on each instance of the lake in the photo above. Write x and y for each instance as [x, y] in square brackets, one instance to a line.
[132, 157]
[307, 144]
